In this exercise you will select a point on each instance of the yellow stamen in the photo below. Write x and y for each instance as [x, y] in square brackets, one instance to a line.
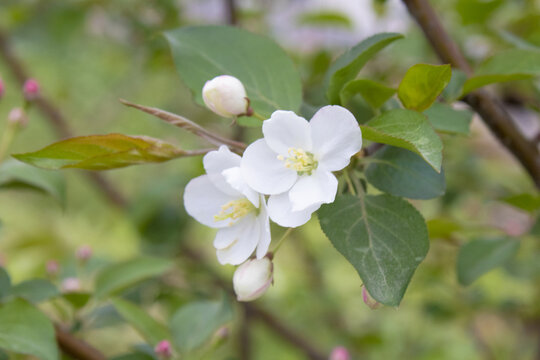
[234, 210]
[303, 162]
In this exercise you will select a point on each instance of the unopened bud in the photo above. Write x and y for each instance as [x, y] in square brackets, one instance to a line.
[52, 267]
[339, 353]
[252, 278]
[2, 88]
[369, 301]
[163, 349]
[71, 284]
[84, 253]
[18, 117]
[220, 336]
[31, 89]
[226, 96]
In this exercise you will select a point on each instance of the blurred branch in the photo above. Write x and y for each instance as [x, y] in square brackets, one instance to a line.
[231, 10]
[485, 104]
[53, 115]
[188, 125]
[244, 339]
[74, 347]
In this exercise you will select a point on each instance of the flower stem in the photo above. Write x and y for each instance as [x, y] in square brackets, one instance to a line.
[349, 182]
[258, 116]
[280, 241]
[7, 138]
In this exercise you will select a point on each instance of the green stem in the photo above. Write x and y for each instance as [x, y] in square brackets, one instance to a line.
[349, 182]
[7, 138]
[258, 116]
[280, 241]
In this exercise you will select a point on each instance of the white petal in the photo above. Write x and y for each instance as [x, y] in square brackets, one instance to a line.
[336, 137]
[280, 211]
[215, 162]
[203, 200]
[285, 130]
[234, 178]
[317, 188]
[263, 171]
[264, 227]
[245, 240]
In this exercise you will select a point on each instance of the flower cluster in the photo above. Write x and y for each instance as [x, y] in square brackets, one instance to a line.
[285, 177]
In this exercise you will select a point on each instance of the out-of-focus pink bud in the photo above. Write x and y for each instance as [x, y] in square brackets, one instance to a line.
[339, 353]
[2, 88]
[252, 278]
[84, 253]
[71, 284]
[18, 117]
[163, 349]
[52, 267]
[31, 89]
[368, 300]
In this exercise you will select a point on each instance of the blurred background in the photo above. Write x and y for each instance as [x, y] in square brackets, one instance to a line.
[86, 54]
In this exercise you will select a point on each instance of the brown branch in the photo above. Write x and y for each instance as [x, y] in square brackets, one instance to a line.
[76, 348]
[485, 104]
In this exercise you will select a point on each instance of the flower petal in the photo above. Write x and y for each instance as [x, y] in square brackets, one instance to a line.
[280, 211]
[215, 162]
[234, 178]
[263, 171]
[285, 130]
[336, 137]
[264, 228]
[203, 200]
[245, 237]
[318, 188]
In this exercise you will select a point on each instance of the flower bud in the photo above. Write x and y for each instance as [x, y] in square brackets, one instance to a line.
[17, 116]
[84, 253]
[163, 349]
[339, 353]
[52, 267]
[369, 301]
[2, 88]
[226, 96]
[31, 89]
[71, 284]
[252, 278]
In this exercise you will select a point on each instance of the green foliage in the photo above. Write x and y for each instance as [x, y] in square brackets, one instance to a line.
[527, 202]
[268, 74]
[326, 18]
[401, 172]
[195, 323]
[5, 283]
[445, 119]
[117, 277]
[101, 152]
[422, 84]
[477, 257]
[383, 237]
[409, 130]
[374, 93]
[453, 90]
[35, 290]
[77, 299]
[348, 65]
[25, 330]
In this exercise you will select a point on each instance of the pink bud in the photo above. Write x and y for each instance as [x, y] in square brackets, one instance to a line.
[71, 284]
[163, 349]
[52, 267]
[2, 88]
[339, 353]
[18, 116]
[84, 253]
[368, 300]
[31, 89]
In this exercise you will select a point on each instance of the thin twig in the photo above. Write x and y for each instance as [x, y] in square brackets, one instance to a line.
[75, 347]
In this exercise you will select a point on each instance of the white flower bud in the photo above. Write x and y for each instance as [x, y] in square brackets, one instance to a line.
[226, 96]
[252, 278]
[369, 301]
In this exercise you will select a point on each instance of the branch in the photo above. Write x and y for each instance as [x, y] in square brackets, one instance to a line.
[485, 104]
[76, 348]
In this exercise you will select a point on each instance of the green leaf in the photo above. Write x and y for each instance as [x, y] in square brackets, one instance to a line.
[348, 65]
[194, 324]
[400, 172]
[409, 130]
[35, 290]
[422, 84]
[383, 237]
[5, 283]
[452, 91]
[268, 74]
[374, 93]
[77, 299]
[326, 18]
[442, 228]
[117, 277]
[477, 257]
[445, 119]
[25, 330]
[510, 65]
[15, 173]
[527, 202]
[101, 152]
[149, 328]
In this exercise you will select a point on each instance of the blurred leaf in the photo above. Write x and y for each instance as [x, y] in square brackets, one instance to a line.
[77, 299]
[476, 11]
[516, 40]
[452, 91]
[509, 65]
[16, 173]
[149, 328]
[268, 74]
[348, 65]
[117, 277]
[527, 202]
[442, 228]
[25, 330]
[5, 283]
[194, 324]
[383, 237]
[409, 130]
[448, 120]
[477, 257]
[374, 93]
[422, 84]
[325, 18]
[35, 290]
[535, 230]
[101, 152]
[400, 172]
[134, 356]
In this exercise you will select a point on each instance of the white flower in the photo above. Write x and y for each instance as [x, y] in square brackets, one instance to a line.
[252, 278]
[221, 199]
[225, 95]
[294, 162]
